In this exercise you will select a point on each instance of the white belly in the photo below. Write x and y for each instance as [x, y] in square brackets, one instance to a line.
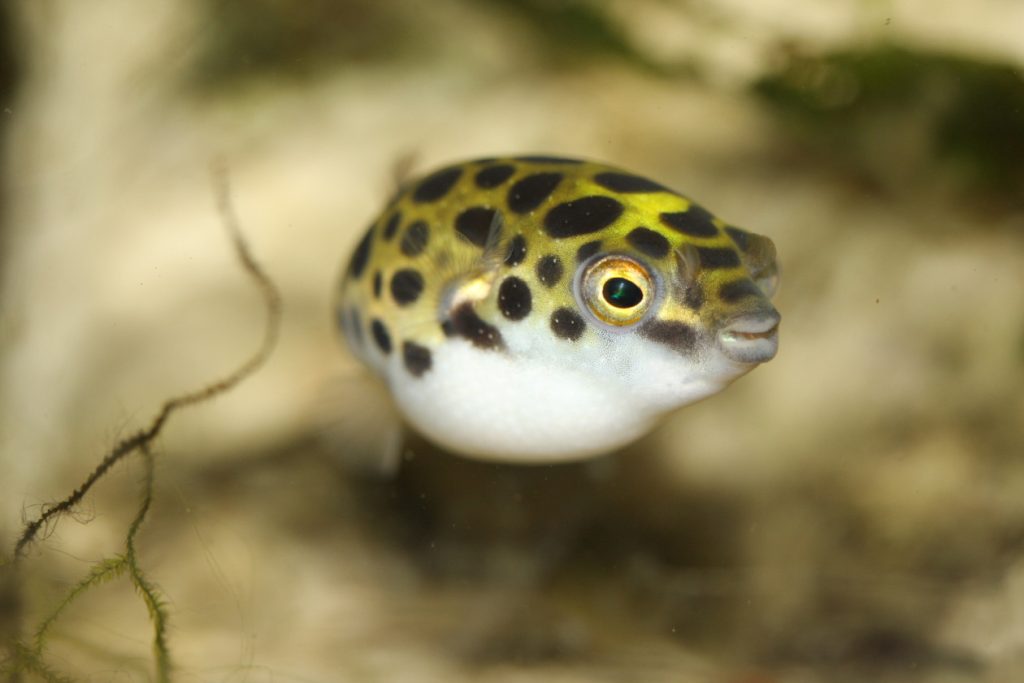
[489, 405]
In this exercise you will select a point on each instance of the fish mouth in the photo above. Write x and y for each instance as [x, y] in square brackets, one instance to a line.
[751, 338]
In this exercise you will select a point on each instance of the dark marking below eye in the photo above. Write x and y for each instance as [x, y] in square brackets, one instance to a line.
[516, 251]
[627, 182]
[587, 250]
[475, 224]
[717, 257]
[467, 324]
[582, 216]
[738, 290]
[406, 286]
[514, 298]
[567, 324]
[378, 283]
[541, 159]
[651, 243]
[740, 237]
[493, 176]
[417, 358]
[381, 336]
[696, 222]
[361, 256]
[392, 226]
[530, 192]
[436, 185]
[415, 239]
[677, 335]
[549, 270]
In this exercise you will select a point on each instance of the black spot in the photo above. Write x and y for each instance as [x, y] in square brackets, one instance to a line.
[587, 250]
[361, 256]
[381, 336]
[716, 257]
[406, 286]
[436, 185]
[626, 182]
[493, 176]
[530, 192]
[475, 224]
[648, 241]
[448, 328]
[693, 297]
[392, 226]
[567, 324]
[469, 325]
[549, 270]
[740, 237]
[514, 298]
[541, 159]
[738, 289]
[417, 358]
[679, 336]
[415, 239]
[582, 216]
[516, 251]
[696, 222]
[378, 282]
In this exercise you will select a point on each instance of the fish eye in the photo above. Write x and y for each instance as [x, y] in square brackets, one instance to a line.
[617, 290]
[621, 293]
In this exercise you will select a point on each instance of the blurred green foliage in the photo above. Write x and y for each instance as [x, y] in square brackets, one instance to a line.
[574, 31]
[296, 39]
[900, 115]
[256, 38]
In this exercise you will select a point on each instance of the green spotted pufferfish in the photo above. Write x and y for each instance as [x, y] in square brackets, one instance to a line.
[541, 309]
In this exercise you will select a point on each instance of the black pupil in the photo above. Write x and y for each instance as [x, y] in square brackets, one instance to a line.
[622, 293]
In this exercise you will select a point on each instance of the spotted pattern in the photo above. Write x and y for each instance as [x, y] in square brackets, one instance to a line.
[740, 237]
[467, 324]
[406, 286]
[626, 183]
[567, 324]
[693, 296]
[380, 336]
[549, 270]
[415, 239]
[438, 241]
[679, 336]
[361, 256]
[738, 290]
[475, 224]
[696, 222]
[494, 176]
[514, 298]
[530, 192]
[417, 359]
[717, 257]
[582, 216]
[436, 185]
[588, 250]
[391, 227]
[649, 242]
[516, 251]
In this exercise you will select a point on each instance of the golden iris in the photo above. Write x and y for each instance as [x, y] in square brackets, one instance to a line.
[618, 290]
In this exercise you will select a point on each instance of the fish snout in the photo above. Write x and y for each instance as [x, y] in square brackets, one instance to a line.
[751, 337]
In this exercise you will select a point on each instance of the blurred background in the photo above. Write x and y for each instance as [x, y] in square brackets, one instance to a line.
[853, 510]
